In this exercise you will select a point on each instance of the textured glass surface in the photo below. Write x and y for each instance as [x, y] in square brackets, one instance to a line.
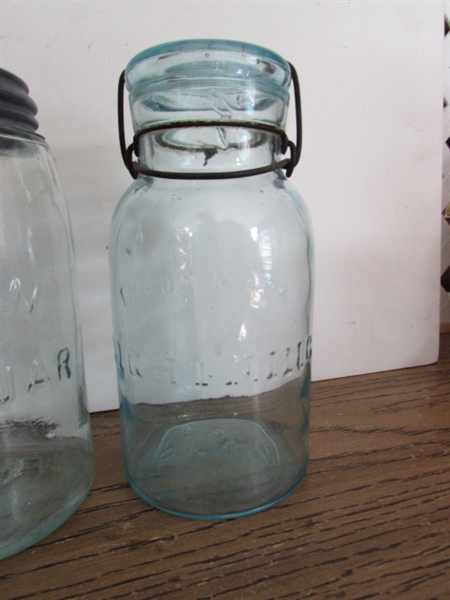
[46, 465]
[211, 285]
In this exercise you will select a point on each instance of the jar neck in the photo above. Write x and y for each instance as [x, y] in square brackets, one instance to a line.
[208, 149]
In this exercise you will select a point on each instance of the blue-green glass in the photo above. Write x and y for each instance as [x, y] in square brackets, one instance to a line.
[46, 460]
[211, 285]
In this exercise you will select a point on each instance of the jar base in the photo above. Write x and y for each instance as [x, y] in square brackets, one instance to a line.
[219, 515]
[217, 469]
[41, 485]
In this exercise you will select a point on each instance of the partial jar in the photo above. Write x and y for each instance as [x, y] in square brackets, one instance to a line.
[212, 281]
[46, 463]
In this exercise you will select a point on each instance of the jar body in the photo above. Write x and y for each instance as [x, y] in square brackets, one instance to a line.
[46, 450]
[211, 286]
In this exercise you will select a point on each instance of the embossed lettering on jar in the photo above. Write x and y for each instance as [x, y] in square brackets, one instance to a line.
[211, 283]
[46, 463]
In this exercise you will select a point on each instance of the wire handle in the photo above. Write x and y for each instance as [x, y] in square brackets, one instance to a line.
[289, 164]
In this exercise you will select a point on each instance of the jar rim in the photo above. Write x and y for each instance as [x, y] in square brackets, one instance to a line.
[269, 64]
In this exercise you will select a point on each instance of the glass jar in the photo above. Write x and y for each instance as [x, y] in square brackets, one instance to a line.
[46, 464]
[211, 283]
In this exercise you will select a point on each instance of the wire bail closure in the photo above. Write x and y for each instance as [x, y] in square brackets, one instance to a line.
[135, 168]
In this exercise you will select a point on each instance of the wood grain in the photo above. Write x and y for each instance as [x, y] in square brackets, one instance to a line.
[370, 519]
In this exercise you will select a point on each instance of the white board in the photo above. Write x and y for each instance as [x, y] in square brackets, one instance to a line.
[371, 77]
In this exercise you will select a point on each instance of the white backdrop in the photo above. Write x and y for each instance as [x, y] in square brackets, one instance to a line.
[371, 76]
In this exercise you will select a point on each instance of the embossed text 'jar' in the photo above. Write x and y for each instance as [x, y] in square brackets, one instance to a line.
[46, 465]
[211, 282]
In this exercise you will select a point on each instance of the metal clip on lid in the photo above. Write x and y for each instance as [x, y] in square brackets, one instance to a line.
[289, 164]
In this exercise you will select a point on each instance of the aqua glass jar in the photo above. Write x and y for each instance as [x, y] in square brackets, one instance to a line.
[46, 462]
[212, 282]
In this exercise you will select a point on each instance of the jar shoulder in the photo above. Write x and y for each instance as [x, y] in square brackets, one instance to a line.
[267, 200]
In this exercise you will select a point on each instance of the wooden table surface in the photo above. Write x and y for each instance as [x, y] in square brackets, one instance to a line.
[369, 520]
